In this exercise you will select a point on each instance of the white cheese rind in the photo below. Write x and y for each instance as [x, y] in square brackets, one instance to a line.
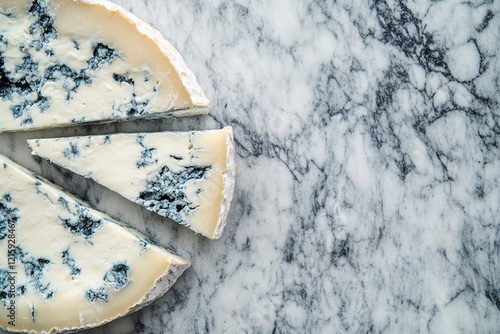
[73, 267]
[229, 183]
[90, 61]
[185, 176]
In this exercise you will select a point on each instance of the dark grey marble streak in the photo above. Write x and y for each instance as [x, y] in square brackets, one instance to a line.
[368, 192]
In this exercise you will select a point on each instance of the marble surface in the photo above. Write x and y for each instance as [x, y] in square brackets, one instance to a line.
[368, 182]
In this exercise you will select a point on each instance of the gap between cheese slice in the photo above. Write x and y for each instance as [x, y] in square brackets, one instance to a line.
[65, 266]
[64, 62]
[185, 176]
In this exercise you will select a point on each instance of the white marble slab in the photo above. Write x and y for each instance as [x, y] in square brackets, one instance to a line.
[368, 183]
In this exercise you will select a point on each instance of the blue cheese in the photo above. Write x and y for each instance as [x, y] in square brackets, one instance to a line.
[185, 176]
[65, 266]
[64, 62]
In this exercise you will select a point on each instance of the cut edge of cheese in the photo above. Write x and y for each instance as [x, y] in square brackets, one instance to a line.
[176, 264]
[198, 98]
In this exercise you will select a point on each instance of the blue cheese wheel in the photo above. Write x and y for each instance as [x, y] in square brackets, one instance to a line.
[185, 176]
[66, 266]
[66, 62]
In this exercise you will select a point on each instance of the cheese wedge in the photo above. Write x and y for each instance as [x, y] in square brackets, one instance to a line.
[65, 62]
[185, 176]
[65, 266]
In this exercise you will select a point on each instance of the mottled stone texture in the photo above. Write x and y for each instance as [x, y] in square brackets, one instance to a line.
[367, 196]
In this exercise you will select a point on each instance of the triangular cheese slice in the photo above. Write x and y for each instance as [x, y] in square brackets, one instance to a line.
[65, 62]
[185, 176]
[66, 266]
